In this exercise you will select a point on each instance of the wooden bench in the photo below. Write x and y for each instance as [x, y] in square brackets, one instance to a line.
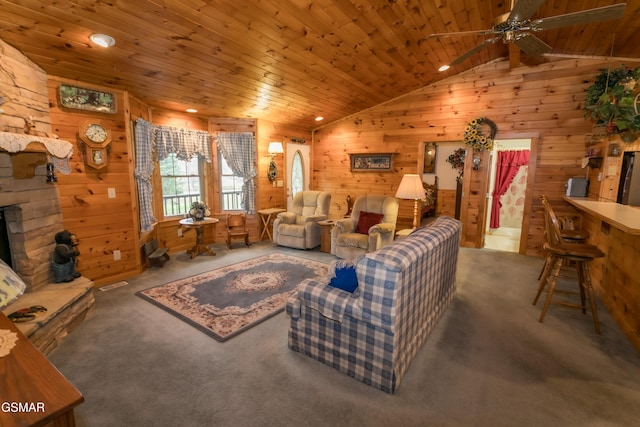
[155, 255]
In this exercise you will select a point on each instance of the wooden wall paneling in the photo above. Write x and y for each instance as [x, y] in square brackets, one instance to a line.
[474, 200]
[271, 195]
[446, 205]
[135, 208]
[545, 101]
[103, 225]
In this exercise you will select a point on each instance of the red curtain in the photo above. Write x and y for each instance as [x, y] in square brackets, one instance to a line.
[506, 169]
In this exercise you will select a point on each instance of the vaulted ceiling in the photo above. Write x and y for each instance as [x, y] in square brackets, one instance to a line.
[286, 60]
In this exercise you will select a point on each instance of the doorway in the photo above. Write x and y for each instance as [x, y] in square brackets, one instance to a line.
[507, 237]
[297, 174]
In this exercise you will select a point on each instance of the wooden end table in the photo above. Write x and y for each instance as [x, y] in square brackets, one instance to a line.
[325, 234]
[267, 216]
[200, 247]
[401, 234]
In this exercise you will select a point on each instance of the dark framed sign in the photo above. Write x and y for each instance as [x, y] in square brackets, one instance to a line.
[371, 162]
[80, 98]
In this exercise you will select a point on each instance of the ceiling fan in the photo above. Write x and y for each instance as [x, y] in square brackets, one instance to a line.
[518, 28]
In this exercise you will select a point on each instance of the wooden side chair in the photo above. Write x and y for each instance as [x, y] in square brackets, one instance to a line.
[156, 255]
[559, 250]
[237, 228]
[570, 228]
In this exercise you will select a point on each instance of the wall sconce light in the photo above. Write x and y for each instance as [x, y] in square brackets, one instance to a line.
[476, 162]
[51, 173]
[274, 148]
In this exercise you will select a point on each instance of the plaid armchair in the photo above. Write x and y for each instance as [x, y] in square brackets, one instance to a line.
[374, 333]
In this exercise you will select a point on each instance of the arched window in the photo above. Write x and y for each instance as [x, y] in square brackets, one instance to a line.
[297, 173]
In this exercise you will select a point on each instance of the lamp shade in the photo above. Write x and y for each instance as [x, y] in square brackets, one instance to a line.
[275, 148]
[411, 187]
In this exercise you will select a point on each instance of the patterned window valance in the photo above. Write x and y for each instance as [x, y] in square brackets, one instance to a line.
[185, 143]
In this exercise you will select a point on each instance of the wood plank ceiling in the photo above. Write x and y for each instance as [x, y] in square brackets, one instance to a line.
[283, 60]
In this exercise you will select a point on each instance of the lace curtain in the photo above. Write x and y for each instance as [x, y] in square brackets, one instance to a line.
[144, 171]
[238, 150]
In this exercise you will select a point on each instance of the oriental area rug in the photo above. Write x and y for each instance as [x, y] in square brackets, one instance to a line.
[227, 301]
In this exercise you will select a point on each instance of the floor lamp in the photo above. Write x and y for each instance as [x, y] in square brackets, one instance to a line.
[411, 188]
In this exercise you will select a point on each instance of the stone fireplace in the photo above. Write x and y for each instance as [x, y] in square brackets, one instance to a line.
[33, 217]
[30, 205]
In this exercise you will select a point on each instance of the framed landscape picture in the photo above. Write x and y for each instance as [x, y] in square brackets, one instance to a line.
[80, 98]
[371, 162]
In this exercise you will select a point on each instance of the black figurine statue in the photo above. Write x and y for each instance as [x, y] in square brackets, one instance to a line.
[64, 257]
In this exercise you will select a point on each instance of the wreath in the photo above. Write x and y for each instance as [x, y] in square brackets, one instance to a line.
[474, 137]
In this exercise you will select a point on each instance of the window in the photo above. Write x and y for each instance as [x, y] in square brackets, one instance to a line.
[297, 173]
[181, 184]
[230, 187]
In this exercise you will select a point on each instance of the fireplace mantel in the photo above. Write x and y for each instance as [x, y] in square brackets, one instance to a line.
[59, 150]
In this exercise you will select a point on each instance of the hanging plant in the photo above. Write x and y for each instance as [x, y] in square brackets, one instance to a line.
[476, 138]
[610, 102]
[456, 160]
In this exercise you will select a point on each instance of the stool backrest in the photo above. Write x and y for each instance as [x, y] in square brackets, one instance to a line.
[552, 225]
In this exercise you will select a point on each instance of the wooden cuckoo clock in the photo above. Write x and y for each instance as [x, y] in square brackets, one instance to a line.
[96, 140]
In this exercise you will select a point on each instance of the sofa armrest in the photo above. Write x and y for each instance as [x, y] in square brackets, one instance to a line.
[315, 218]
[287, 217]
[345, 226]
[320, 296]
[383, 227]
[293, 307]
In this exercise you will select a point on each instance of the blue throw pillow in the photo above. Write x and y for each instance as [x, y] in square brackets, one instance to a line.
[345, 279]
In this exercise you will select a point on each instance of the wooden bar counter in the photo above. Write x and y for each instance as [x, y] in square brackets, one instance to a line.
[615, 229]
[32, 391]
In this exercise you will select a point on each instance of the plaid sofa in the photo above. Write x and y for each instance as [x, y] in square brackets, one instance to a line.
[374, 333]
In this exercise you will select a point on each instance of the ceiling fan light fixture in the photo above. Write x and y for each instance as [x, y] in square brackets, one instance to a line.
[102, 40]
[444, 68]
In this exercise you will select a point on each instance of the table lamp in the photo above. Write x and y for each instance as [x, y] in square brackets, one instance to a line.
[411, 188]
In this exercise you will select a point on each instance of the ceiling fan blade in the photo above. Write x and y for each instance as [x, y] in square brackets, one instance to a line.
[577, 18]
[475, 50]
[461, 34]
[532, 45]
[524, 9]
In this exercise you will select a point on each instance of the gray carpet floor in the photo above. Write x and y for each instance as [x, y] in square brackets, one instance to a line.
[489, 362]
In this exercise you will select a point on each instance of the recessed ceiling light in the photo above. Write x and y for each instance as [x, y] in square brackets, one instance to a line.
[102, 40]
[319, 119]
[443, 68]
[191, 110]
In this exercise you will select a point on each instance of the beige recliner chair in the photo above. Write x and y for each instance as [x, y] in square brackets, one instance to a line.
[372, 225]
[298, 228]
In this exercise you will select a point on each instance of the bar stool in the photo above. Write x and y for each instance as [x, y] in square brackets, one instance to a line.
[559, 250]
[569, 234]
